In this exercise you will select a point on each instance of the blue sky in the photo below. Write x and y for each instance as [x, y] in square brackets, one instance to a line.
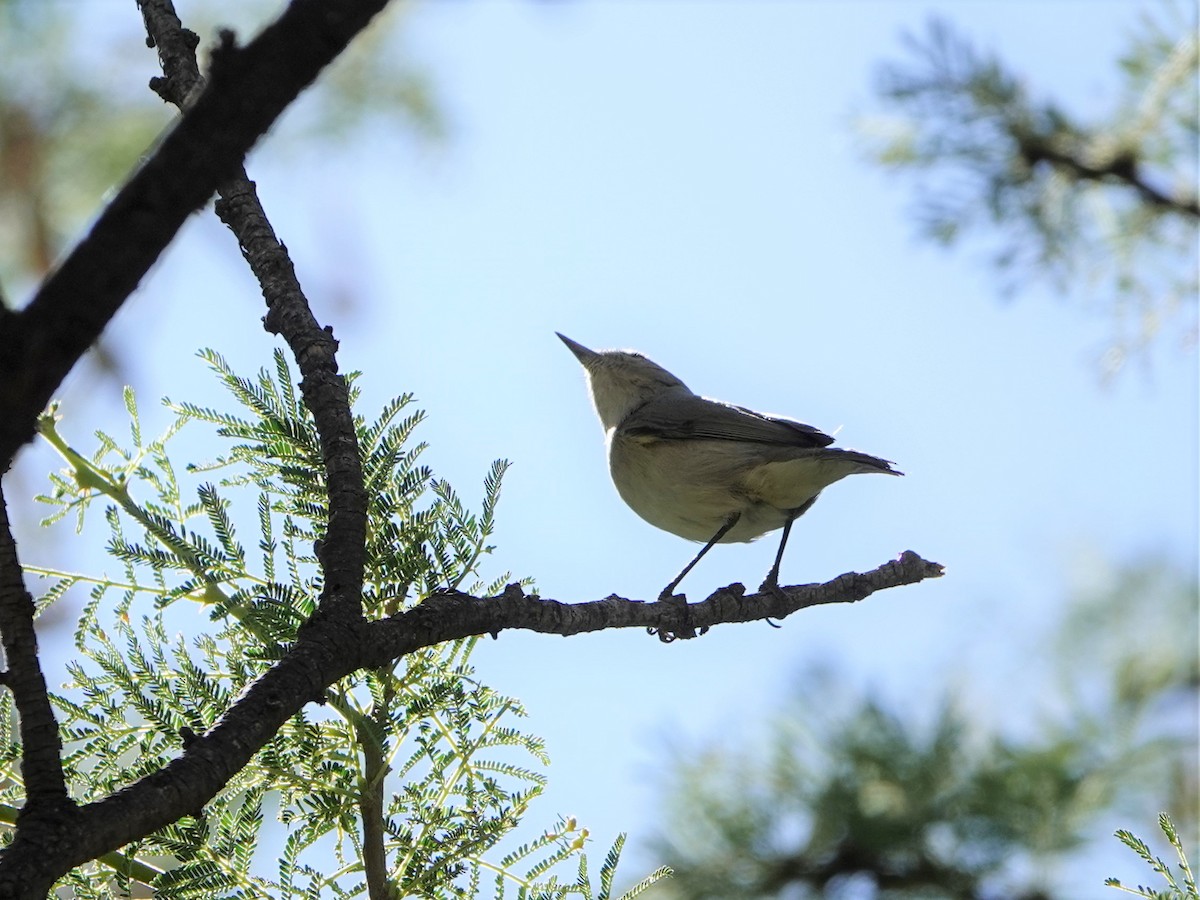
[683, 179]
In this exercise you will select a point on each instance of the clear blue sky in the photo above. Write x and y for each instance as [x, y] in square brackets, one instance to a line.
[683, 179]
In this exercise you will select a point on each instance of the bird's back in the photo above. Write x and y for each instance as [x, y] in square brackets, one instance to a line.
[688, 464]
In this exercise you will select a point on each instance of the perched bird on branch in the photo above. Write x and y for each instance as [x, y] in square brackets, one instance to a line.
[706, 470]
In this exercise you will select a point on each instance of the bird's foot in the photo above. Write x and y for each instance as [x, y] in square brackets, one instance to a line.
[682, 627]
[771, 586]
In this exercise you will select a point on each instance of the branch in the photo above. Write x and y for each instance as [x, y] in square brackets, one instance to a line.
[248, 90]
[310, 666]
[372, 809]
[176, 53]
[45, 786]
[452, 615]
[288, 314]
[342, 551]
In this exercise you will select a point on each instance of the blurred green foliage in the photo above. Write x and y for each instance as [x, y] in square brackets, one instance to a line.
[1104, 209]
[850, 798]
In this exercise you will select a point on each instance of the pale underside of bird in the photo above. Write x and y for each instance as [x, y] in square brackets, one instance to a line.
[706, 470]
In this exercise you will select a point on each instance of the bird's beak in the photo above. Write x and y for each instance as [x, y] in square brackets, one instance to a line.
[582, 353]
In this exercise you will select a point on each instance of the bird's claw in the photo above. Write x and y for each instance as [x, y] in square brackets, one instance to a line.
[771, 586]
[684, 630]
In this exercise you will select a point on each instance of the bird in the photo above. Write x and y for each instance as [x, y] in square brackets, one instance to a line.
[703, 469]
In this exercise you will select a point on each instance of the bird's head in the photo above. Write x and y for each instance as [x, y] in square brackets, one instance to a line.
[622, 380]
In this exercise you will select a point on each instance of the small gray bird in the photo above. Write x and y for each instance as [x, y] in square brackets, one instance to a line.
[706, 470]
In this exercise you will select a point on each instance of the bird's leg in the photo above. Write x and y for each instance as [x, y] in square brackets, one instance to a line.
[771, 583]
[721, 532]
[685, 629]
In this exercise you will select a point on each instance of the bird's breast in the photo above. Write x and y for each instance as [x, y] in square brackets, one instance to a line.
[689, 488]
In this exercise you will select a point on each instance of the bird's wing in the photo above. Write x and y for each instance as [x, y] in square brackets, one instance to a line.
[693, 417]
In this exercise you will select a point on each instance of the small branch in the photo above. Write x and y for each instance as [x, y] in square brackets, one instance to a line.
[176, 52]
[289, 315]
[342, 550]
[248, 90]
[371, 793]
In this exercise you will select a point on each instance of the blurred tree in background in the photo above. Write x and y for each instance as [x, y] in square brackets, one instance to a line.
[850, 799]
[1104, 209]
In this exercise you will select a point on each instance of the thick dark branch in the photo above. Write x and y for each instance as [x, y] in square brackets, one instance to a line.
[288, 314]
[247, 91]
[41, 766]
[327, 651]
[39, 345]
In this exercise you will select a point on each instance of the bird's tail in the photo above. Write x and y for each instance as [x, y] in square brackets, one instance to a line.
[792, 482]
[857, 463]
